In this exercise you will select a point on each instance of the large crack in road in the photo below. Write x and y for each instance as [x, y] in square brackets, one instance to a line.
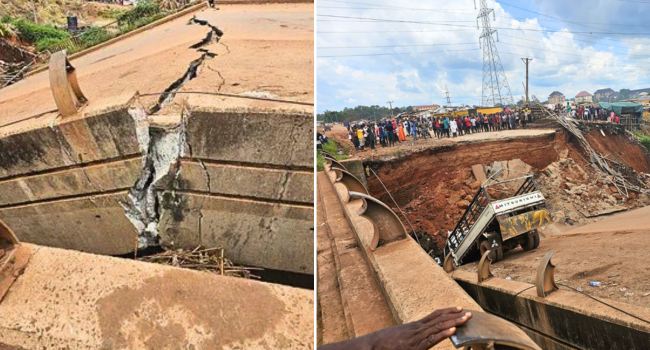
[163, 147]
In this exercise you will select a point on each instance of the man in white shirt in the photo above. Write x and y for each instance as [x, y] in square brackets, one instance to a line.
[453, 126]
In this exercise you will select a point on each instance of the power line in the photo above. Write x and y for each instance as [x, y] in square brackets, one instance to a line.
[397, 31]
[380, 20]
[396, 53]
[381, 46]
[392, 9]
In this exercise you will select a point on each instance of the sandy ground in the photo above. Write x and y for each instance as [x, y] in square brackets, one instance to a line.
[339, 132]
[610, 250]
[266, 49]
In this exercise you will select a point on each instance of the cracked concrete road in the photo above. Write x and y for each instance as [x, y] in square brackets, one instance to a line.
[271, 53]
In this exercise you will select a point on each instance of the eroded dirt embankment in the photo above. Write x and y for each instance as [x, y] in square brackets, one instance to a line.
[433, 187]
[618, 148]
[428, 185]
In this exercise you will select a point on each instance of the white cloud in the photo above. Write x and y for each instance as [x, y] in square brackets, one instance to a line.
[561, 60]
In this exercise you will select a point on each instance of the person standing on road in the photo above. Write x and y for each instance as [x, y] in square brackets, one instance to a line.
[454, 127]
[352, 135]
[445, 124]
[371, 136]
[414, 130]
[401, 135]
[362, 140]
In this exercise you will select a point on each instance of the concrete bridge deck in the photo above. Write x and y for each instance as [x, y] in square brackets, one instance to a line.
[202, 169]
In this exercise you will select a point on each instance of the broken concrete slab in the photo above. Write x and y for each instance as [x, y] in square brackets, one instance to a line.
[66, 299]
[247, 181]
[93, 224]
[271, 235]
[247, 151]
[479, 173]
[272, 138]
[117, 175]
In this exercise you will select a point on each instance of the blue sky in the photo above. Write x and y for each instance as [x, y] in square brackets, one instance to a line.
[575, 45]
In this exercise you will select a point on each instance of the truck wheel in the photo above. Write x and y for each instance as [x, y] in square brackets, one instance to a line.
[484, 247]
[528, 243]
[500, 254]
[536, 240]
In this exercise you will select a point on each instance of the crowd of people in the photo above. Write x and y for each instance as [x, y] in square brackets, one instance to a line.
[391, 131]
[589, 113]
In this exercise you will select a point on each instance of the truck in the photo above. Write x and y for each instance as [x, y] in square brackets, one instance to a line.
[498, 220]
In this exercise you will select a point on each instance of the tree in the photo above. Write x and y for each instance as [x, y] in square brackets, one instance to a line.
[624, 94]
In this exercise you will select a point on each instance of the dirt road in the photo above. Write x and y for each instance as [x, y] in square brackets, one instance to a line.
[612, 251]
[339, 133]
[266, 50]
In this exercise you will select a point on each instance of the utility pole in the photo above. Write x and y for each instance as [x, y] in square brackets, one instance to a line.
[390, 103]
[447, 94]
[526, 61]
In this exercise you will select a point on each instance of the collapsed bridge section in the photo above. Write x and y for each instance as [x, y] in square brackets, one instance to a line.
[219, 158]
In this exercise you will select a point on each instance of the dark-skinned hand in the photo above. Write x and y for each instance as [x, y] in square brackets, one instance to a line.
[419, 335]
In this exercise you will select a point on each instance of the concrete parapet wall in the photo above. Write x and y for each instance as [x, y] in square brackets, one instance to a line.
[72, 300]
[241, 180]
[410, 280]
[564, 316]
[251, 232]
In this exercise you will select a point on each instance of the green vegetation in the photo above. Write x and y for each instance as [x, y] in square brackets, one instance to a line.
[645, 140]
[142, 11]
[360, 113]
[7, 29]
[332, 147]
[94, 36]
[623, 94]
[111, 13]
[46, 37]
[34, 32]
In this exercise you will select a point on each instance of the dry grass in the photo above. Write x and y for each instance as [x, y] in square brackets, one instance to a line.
[202, 259]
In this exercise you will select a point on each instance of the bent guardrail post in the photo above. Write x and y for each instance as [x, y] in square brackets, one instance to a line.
[350, 181]
[326, 154]
[331, 161]
[12, 258]
[484, 331]
[63, 83]
[387, 226]
[545, 280]
[483, 272]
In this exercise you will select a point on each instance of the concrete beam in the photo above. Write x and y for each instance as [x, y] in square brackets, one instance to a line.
[565, 316]
[73, 182]
[70, 300]
[270, 138]
[271, 235]
[247, 181]
[94, 224]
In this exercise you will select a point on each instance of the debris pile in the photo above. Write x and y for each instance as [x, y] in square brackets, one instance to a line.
[202, 259]
[574, 193]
